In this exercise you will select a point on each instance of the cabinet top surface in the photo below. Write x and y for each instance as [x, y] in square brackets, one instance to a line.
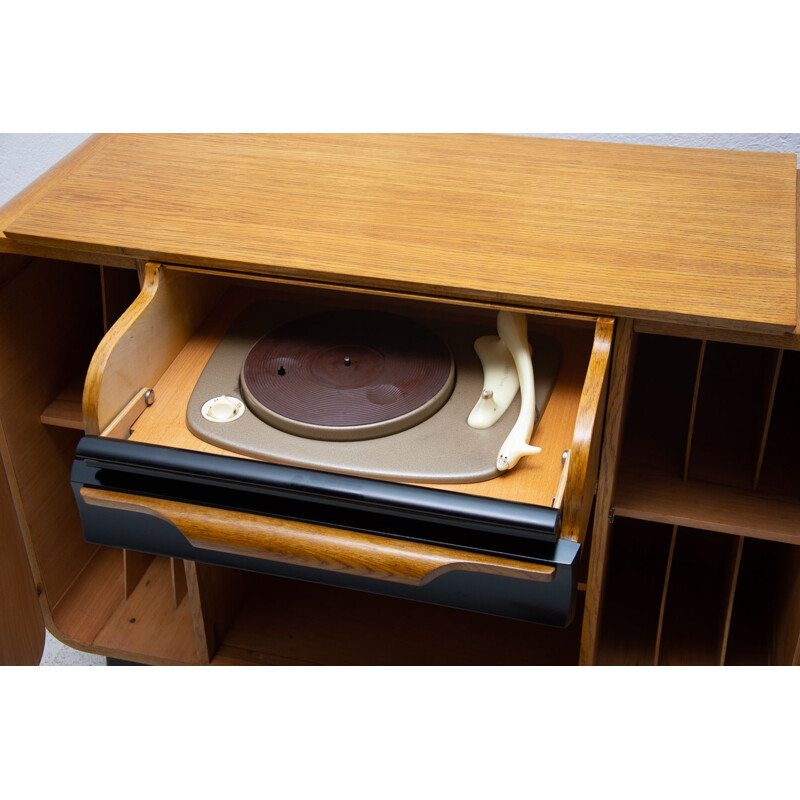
[651, 232]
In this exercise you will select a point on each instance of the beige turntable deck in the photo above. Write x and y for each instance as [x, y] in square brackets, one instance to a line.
[437, 448]
[534, 480]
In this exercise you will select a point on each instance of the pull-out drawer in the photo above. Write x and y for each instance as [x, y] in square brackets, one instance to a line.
[152, 476]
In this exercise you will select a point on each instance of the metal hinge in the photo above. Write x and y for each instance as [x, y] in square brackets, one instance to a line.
[611, 515]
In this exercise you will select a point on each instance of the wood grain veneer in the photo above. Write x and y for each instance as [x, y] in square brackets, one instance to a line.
[38, 188]
[650, 232]
[317, 546]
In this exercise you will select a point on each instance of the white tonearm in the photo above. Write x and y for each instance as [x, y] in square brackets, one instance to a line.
[513, 330]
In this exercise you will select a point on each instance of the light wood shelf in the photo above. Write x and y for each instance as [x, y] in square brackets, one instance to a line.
[66, 410]
[657, 496]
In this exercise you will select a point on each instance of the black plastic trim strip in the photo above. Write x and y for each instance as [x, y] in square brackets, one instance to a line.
[422, 504]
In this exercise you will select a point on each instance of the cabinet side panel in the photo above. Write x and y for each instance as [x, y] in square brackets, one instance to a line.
[619, 382]
[21, 624]
[49, 323]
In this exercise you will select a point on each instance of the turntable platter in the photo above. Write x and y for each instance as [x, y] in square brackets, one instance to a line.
[347, 375]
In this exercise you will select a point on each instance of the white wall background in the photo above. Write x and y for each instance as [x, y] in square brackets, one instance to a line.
[772, 142]
[25, 156]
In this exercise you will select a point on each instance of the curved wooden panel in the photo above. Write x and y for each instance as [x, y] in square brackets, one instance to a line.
[585, 453]
[315, 546]
[144, 341]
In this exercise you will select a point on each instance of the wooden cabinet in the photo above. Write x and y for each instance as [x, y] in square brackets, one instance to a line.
[676, 398]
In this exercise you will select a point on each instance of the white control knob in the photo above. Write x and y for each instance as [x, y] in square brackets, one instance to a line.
[223, 409]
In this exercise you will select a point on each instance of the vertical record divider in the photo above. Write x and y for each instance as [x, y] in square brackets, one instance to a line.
[179, 585]
[693, 413]
[726, 628]
[215, 594]
[668, 570]
[696, 613]
[770, 404]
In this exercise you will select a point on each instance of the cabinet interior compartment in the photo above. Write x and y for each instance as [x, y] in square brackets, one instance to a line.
[50, 321]
[53, 314]
[780, 471]
[279, 621]
[637, 565]
[118, 287]
[765, 622]
[731, 413]
[740, 475]
[702, 576]
[660, 402]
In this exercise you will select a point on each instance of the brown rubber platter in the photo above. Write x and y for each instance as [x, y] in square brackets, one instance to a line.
[347, 375]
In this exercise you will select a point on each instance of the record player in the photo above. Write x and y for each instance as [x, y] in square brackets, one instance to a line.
[437, 452]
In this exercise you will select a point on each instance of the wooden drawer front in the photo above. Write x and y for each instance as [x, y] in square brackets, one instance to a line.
[480, 554]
